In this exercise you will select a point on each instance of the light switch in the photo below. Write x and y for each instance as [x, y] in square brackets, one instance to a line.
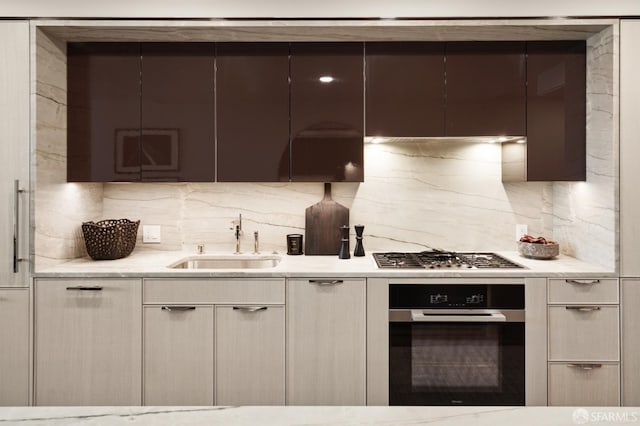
[521, 230]
[151, 233]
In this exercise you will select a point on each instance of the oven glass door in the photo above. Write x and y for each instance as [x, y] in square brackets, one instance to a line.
[444, 363]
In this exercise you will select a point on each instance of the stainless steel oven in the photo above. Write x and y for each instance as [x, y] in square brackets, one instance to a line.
[456, 344]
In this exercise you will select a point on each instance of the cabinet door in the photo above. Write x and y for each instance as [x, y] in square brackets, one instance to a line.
[584, 385]
[568, 326]
[250, 355]
[630, 317]
[327, 112]
[629, 150]
[14, 350]
[14, 152]
[252, 110]
[177, 112]
[88, 342]
[404, 89]
[486, 85]
[178, 355]
[326, 342]
[556, 110]
[103, 113]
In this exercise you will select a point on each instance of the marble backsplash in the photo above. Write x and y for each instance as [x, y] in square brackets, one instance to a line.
[60, 207]
[416, 195]
[585, 214]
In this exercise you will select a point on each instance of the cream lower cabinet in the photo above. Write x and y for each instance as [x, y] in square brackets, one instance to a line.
[14, 347]
[584, 342]
[178, 355]
[214, 341]
[250, 355]
[630, 317]
[326, 344]
[88, 342]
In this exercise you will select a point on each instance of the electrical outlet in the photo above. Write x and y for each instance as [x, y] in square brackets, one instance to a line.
[151, 234]
[521, 230]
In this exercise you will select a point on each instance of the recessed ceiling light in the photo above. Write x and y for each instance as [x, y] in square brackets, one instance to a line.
[326, 79]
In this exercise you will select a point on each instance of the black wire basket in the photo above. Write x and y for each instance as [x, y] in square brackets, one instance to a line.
[110, 239]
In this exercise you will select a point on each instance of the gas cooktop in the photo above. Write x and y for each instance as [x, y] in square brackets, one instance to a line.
[443, 259]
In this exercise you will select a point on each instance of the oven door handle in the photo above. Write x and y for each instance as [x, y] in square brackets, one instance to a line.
[482, 316]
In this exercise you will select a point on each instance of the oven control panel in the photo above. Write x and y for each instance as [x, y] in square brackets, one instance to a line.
[447, 296]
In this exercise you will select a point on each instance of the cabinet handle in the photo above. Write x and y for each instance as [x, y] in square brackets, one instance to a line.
[326, 282]
[585, 366]
[583, 308]
[250, 308]
[583, 282]
[16, 227]
[178, 308]
[85, 288]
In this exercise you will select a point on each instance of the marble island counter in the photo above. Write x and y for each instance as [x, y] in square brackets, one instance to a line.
[150, 263]
[283, 416]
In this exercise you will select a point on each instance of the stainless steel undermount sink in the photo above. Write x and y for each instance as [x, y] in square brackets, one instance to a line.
[227, 262]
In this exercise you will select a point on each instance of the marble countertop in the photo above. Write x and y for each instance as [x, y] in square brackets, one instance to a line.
[150, 263]
[309, 416]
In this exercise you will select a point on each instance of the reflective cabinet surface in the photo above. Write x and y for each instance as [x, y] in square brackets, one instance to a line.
[327, 112]
[103, 119]
[252, 99]
[405, 90]
[177, 121]
[556, 111]
[486, 87]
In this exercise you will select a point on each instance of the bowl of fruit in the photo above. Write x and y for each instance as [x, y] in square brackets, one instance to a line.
[538, 247]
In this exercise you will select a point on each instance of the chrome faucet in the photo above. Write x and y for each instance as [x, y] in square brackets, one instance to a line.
[256, 244]
[238, 231]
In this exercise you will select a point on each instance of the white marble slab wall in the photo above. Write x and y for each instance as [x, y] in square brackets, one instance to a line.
[60, 207]
[585, 213]
[416, 195]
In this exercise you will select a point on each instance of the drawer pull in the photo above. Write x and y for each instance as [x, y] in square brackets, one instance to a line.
[584, 366]
[583, 282]
[583, 308]
[178, 308]
[85, 288]
[326, 282]
[250, 308]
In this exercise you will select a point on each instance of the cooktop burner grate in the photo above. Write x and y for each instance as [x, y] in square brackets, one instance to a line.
[443, 260]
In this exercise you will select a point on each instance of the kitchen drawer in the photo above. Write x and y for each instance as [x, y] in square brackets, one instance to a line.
[584, 333]
[584, 384]
[583, 290]
[214, 291]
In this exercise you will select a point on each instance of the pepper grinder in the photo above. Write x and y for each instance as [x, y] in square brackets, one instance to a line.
[344, 242]
[359, 250]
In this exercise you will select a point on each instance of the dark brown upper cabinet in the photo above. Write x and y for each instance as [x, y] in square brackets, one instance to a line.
[252, 99]
[177, 112]
[103, 115]
[405, 90]
[327, 112]
[556, 111]
[140, 112]
[485, 86]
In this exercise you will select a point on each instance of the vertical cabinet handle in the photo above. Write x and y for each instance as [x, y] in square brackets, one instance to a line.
[16, 226]
[582, 282]
[584, 366]
[326, 282]
[582, 308]
[250, 308]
